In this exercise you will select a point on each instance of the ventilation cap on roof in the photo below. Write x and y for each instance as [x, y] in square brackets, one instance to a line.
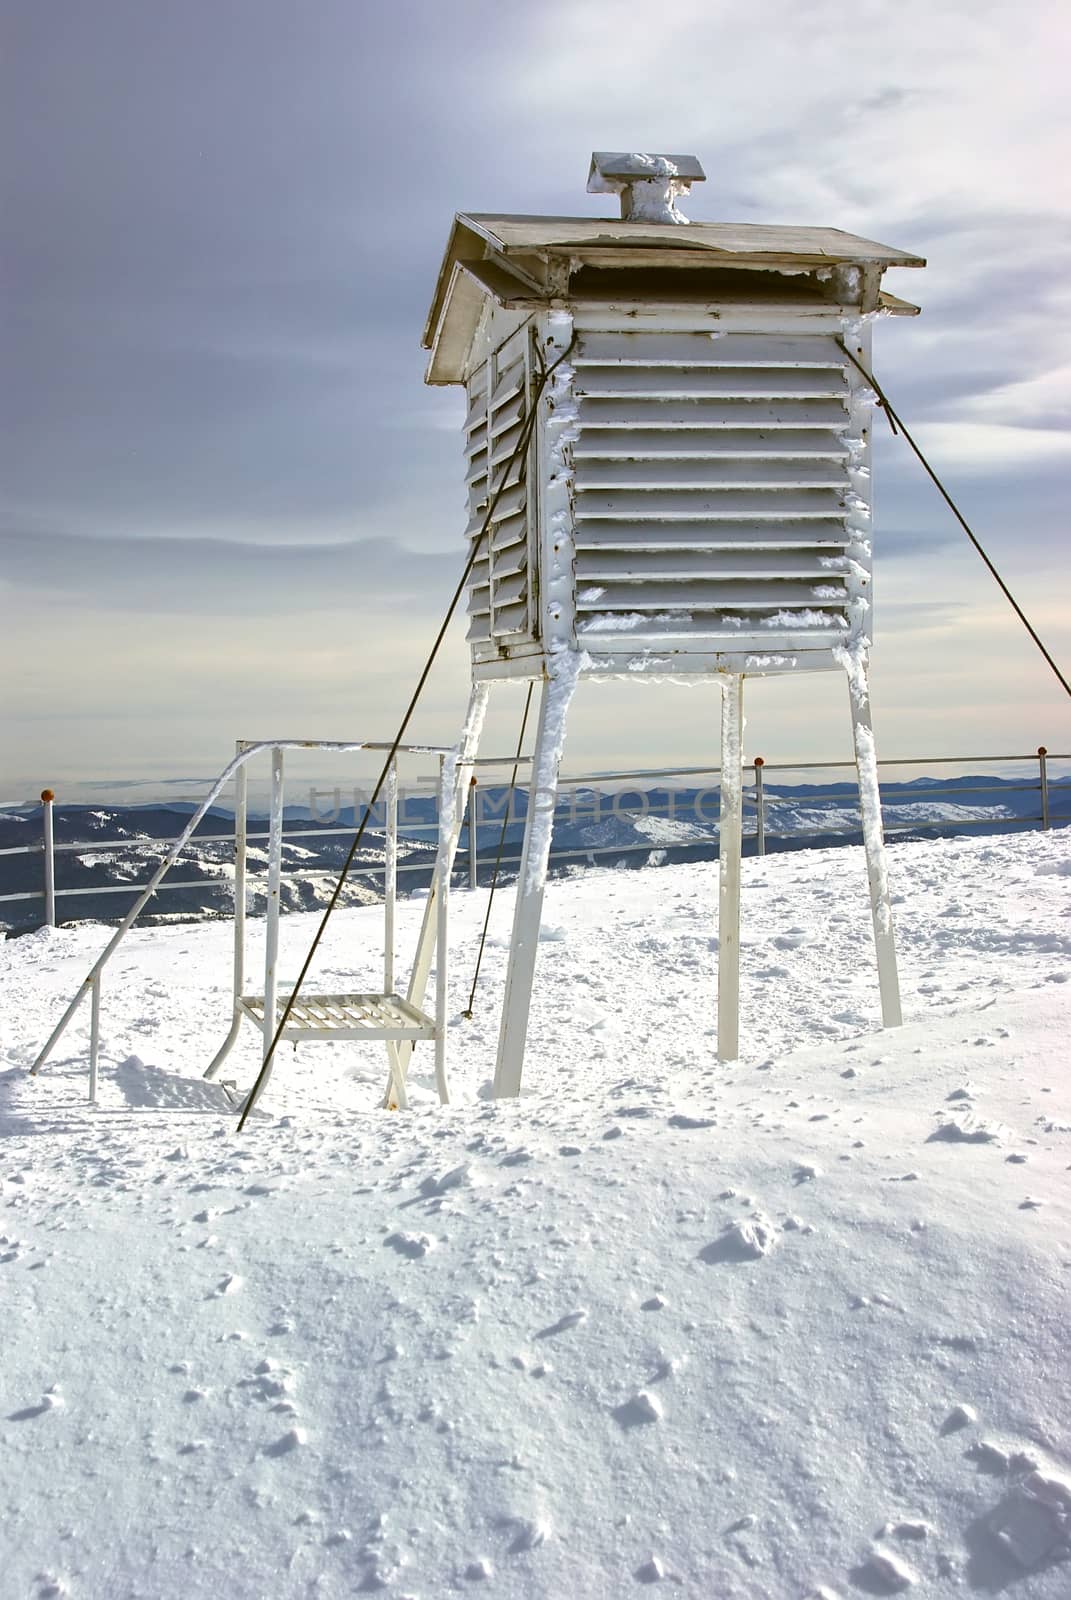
[648, 184]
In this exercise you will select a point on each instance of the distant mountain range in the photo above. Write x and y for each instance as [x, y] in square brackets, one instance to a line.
[592, 827]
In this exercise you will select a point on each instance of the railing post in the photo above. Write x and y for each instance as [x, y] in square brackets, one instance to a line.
[241, 857]
[760, 808]
[442, 954]
[472, 833]
[1043, 765]
[390, 876]
[275, 866]
[47, 800]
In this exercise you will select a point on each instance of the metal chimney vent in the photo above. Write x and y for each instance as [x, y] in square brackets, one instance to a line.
[649, 185]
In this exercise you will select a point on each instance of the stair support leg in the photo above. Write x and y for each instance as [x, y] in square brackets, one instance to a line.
[730, 850]
[468, 746]
[241, 801]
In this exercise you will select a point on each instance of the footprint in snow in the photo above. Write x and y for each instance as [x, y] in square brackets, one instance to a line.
[1031, 1527]
[572, 1319]
[747, 1240]
[961, 1416]
[968, 1129]
[526, 1534]
[654, 1571]
[412, 1245]
[638, 1412]
[227, 1285]
[456, 1178]
[289, 1442]
[883, 1572]
[51, 1400]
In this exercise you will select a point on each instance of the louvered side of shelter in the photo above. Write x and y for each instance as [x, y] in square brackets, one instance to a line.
[502, 584]
[720, 492]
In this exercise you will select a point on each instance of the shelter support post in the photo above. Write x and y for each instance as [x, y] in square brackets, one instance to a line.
[730, 847]
[866, 764]
[555, 698]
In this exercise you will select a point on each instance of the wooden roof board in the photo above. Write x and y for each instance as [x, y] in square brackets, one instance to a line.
[477, 239]
[760, 241]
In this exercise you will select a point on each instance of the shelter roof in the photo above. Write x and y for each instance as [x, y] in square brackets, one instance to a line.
[513, 257]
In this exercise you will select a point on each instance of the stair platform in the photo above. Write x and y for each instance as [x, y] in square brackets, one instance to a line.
[344, 1016]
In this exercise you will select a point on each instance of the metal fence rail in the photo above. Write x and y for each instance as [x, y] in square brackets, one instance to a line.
[762, 803]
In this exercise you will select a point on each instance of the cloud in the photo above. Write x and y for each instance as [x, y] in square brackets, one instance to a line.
[225, 486]
[992, 447]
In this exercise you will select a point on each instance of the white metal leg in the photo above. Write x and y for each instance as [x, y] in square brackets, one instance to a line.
[866, 763]
[397, 1094]
[275, 873]
[241, 795]
[390, 876]
[730, 829]
[555, 699]
[442, 963]
[448, 838]
[94, 1039]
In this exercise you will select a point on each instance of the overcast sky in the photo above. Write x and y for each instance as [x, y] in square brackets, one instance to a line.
[230, 507]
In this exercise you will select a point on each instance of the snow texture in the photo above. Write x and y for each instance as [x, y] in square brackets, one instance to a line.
[748, 1332]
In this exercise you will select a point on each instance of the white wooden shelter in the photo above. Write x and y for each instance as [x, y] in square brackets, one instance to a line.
[695, 498]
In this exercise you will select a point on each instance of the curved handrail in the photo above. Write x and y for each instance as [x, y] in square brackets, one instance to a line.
[245, 753]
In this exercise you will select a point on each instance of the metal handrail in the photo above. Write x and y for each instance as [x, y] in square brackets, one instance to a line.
[759, 798]
[246, 751]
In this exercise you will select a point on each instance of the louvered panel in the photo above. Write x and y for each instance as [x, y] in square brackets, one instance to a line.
[654, 632]
[510, 560]
[710, 593]
[507, 414]
[476, 416]
[754, 472]
[718, 383]
[601, 534]
[512, 530]
[708, 350]
[511, 619]
[711, 476]
[638, 412]
[499, 585]
[508, 383]
[477, 467]
[512, 499]
[595, 567]
[642, 505]
[509, 589]
[505, 443]
[702, 444]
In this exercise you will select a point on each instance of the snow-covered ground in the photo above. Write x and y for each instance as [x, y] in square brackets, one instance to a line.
[793, 1327]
